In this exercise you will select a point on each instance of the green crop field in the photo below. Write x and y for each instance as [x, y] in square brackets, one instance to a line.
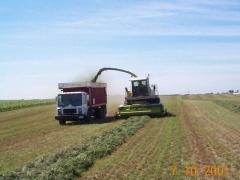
[7, 105]
[199, 139]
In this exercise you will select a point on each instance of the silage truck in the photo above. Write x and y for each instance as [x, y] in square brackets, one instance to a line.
[80, 101]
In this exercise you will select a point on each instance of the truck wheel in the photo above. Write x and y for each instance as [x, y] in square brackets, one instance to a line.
[62, 122]
[104, 111]
[101, 113]
[88, 117]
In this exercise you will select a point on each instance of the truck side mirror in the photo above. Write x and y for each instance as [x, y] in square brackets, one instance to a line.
[87, 97]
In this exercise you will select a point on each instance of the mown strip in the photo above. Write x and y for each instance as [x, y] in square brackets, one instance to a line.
[7, 105]
[225, 104]
[228, 105]
[72, 162]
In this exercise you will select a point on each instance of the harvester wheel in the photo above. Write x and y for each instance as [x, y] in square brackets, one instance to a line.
[62, 122]
[165, 113]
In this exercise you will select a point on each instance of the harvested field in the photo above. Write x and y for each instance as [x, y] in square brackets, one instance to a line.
[73, 161]
[198, 135]
[30, 133]
[198, 140]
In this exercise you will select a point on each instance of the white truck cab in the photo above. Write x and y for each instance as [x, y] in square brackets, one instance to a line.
[71, 105]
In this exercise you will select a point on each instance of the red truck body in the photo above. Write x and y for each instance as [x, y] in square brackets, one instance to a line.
[97, 91]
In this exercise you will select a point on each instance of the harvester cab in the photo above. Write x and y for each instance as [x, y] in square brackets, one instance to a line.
[141, 87]
[141, 92]
[143, 99]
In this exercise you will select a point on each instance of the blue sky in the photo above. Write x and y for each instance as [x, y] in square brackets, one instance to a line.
[184, 45]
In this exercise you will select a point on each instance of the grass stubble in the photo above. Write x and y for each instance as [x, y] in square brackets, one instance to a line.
[29, 133]
[151, 153]
[197, 134]
[214, 132]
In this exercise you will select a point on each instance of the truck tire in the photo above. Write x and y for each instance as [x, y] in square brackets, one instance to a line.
[62, 122]
[104, 111]
[87, 120]
[101, 113]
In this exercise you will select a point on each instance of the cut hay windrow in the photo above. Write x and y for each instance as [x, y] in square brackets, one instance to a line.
[73, 161]
[228, 105]
[234, 107]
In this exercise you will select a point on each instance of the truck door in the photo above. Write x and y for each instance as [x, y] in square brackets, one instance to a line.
[84, 103]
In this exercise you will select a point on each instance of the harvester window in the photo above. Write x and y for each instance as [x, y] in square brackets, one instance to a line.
[135, 83]
[135, 88]
[143, 88]
[139, 88]
[139, 83]
[143, 83]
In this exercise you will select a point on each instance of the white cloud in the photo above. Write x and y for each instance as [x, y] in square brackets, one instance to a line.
[161, 18]
[154, 18]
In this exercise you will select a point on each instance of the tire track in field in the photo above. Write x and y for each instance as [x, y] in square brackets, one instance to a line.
[219, 139]
[200, 152]
[229, 136]
[137, 156]
[202, 155]
[224, 132]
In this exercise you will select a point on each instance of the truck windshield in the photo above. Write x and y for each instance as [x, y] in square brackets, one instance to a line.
[73, 99]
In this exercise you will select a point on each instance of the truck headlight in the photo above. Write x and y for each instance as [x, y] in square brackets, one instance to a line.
[59, 111]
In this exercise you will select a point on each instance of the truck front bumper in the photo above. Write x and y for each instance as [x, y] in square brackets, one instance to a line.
[73, 117]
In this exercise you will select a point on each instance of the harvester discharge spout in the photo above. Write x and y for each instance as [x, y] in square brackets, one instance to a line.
[115, 69]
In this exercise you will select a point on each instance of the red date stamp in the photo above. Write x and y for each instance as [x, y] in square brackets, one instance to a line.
[206, 171]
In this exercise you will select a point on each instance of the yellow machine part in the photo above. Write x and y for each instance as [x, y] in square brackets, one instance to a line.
[141, 109]
[129, 94]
